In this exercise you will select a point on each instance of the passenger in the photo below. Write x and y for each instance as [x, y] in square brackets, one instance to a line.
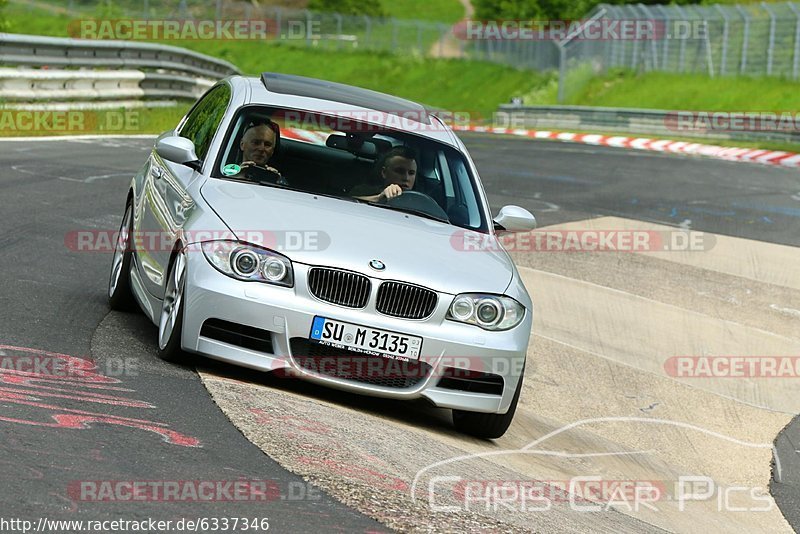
[397, 172]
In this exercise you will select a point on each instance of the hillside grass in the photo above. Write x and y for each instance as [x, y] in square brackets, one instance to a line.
[457, 85]
[659, 90]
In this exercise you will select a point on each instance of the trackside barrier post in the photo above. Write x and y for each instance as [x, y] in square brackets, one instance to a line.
[745, 38]
[653, 48]
[771, 42]
[682, 53]
[725, 29]
[562, 53]
[665, 46]
[796, 57]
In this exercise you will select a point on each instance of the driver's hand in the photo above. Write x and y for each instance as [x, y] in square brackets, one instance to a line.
[391, 191]
[246, 164]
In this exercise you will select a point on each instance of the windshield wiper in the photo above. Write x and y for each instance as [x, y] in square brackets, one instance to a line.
[411, 211]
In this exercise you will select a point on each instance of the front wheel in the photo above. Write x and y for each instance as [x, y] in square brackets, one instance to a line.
[170, 325]
[120, 296]
[487, 425]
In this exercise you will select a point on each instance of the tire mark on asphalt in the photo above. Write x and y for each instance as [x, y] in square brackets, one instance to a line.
[31, 374]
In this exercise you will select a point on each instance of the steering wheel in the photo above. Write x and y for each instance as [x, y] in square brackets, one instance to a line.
[420, 202]
[262, 174]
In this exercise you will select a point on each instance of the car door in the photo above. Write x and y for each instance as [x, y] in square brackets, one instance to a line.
[167, 204]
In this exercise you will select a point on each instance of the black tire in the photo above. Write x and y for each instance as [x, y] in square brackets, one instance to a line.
[120, 295]
[487, 425]
[172, 350]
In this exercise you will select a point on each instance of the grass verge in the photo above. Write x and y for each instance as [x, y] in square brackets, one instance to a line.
[659, 90]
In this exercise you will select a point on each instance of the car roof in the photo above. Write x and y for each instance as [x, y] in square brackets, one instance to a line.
[356, 103]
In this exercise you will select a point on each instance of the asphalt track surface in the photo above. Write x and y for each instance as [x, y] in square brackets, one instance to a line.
[160, 422]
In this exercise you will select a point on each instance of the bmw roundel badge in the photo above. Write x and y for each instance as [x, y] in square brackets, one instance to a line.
[377, 265]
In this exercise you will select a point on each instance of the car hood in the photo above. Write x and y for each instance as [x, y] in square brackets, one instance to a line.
[320, 230]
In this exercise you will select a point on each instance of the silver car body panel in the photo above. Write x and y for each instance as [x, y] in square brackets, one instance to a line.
[176, 202]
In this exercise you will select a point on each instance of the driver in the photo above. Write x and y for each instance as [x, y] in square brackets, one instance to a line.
[258, 145]
[397, 170]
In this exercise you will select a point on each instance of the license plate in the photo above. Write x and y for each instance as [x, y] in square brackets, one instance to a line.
[366, 340]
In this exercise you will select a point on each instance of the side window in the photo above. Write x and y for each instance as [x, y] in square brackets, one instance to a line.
[203, 120]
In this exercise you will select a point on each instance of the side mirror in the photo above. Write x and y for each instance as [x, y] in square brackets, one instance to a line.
[178, 150]
[514, 219]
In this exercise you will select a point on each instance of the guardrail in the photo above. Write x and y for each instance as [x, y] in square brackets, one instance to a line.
[38, 51]
[644, 121]
[81, 85]
[102, 70]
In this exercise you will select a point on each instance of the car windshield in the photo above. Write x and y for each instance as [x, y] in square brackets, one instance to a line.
[352, 160]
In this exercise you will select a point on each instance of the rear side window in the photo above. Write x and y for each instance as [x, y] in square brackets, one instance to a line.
[203, 120]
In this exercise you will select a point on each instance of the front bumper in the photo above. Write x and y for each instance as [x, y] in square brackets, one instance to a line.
[288, 313]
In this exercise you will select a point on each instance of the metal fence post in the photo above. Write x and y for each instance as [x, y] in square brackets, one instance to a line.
[667, 37]
[653, 48]
[368, 32]
[146, 10]
[635, 41]
[562, 71]
[619, 46]
[218, 11]
[278, 16]
[725, 29]
[771, 45]
[419, 38]
[706, 19]
[562, 52]
[338, 31]
[796, 59]
[682, 53]
[308, 28]
[745, 38]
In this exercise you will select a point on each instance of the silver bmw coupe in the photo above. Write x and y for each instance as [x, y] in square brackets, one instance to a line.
[330, 233]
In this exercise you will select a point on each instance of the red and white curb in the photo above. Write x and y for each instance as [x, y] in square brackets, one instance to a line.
[747, 155]
[307, 136]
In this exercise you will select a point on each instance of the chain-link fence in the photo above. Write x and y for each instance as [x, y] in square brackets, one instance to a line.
[297, 27]
[716, 40]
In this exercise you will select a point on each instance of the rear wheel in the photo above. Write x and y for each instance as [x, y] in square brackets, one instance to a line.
[170, 325]
[487, 425]
[120, 296]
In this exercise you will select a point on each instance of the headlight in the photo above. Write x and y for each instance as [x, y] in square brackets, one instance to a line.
[249, 262]
[490, 312]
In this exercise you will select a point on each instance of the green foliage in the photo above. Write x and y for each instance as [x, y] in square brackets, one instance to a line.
[445, 11]
[372, 8]
[697, 92]
[3, 22]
